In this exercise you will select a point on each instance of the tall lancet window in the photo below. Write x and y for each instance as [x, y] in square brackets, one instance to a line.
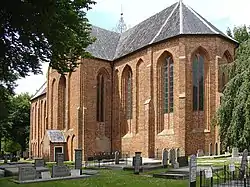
[198, 82]
[168, 69]
[129, 95]
[100, 98]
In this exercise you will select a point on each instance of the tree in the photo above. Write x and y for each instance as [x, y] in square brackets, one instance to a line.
[33, 32]
[229, 32]
[19, 120]
[233, 116]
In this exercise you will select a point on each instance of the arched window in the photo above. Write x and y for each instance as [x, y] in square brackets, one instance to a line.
[129, 95]
[168, 85]
[198, 82]
[61, 102]
[100, 98]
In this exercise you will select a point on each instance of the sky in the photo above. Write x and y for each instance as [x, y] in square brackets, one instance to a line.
[106, 13]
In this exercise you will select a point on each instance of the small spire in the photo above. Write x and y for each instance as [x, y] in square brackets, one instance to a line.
[121, 26]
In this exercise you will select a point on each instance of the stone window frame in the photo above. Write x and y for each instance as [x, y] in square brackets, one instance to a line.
[198, 98]
[168, 79]
[127, 92]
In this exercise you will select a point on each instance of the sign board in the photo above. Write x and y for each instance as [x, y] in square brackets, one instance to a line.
[231, 167]
[192, 171]
[208, 173]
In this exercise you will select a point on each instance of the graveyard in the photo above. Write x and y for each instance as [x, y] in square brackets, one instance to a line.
[229, 169]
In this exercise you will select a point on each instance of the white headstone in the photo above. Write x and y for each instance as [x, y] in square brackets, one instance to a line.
[46, 175]
[231, 167]
[75, 172]
[208, 173]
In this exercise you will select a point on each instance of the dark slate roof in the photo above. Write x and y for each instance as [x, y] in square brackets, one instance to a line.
[178, 19]
[56, 136]
[40, 91]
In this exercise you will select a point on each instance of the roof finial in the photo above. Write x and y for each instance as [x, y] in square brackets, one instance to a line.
[121, 26]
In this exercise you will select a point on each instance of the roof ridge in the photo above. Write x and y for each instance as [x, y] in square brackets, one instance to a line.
[164, 24]
[181, 17]
[202, 20]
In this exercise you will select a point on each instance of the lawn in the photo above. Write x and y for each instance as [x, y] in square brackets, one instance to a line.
[106, 178]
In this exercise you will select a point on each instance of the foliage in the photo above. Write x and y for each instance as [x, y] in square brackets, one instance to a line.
[11, 147]
[19, 120]
[33, 32]
[233, 116]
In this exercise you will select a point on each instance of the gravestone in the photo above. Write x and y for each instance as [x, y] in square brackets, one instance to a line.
[117, 157]
[200, 153]
[78, 159]
[59, 159]
[192, 171]
[46, 175]
[5, 159]
[177, 154]
[183, 161]
[210, 150]
[60, 171]
[75, 172]
[244, 164]
[172, 156]
[137, 161]
[208, 173]
[39, 163]
[164, 158]
[27, 173]
[231, 167]
[235, 152]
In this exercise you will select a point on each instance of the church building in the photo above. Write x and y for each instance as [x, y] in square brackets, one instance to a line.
[156, 85]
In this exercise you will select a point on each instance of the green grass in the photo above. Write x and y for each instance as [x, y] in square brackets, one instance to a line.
[106, 178]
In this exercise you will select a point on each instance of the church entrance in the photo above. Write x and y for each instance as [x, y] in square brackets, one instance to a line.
[57, 150]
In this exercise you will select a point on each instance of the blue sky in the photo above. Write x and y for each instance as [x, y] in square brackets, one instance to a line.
[106, 13]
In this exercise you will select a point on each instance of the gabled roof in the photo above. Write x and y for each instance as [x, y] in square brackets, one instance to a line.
[178, 19]
[56, 136]
[40, 91]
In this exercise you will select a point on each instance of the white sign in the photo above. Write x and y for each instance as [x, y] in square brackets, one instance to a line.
[75, 172]
[208, 173]
[46, 175]
[231, 167]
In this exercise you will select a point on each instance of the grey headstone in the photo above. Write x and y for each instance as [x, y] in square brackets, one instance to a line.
[172, 156]
[183, 161]
[27, 173]
[235, 152]
[2, 173]
[137, 162]
[177, 154]
[5, 159]
[39, 163]
[117, 157]
[59, 159]
[60, 171]
[210, 150]
[46, 175]
[164, 158]
[78, 159]
[192, 170]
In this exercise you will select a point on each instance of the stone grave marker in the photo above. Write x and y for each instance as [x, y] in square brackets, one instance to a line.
[209, 173]
[75, 172]
[39, 163]
[78, 159]
[200, 153]
[46, 175]
[192, 171]
[59, 159]
[177, 154]
[172, 156]
[27, 173]
[5, 159]
[235, 152]
[183, 161]
[244, 164]
[137, 161]
[117, 157]
[60, 171]
[231, 167]
[164, 158]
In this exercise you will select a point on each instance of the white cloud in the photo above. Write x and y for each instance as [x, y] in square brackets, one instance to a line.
[135, 11]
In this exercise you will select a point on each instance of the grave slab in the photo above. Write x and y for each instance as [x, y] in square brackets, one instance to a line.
[2, 172]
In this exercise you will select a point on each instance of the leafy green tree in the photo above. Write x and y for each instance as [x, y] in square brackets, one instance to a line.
[19, 120]
[11, 146]
[233, 116]
[33, 32]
